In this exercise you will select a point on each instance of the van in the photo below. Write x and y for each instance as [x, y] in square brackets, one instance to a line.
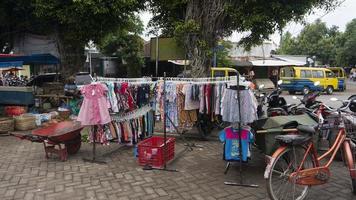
[340, 74]
[223, 71]
[302, 79]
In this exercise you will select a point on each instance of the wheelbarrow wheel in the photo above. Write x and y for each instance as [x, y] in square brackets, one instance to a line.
[74, 145]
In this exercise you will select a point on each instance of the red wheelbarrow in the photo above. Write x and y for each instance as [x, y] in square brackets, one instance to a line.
[59, 138]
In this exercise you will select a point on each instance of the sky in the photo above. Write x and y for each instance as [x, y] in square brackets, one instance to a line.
[339, 17]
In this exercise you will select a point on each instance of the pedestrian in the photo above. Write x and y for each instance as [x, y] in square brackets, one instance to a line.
[251, 74]
[274, 77]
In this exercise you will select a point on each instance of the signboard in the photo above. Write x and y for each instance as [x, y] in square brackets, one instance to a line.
[168, 49]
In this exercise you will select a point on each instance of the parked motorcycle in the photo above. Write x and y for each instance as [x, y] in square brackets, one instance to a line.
[277, 105]
[309, 101]
[261, 98]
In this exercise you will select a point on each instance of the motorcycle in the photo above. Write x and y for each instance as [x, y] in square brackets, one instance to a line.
[277, 105]
[261, 98]
[309, 101]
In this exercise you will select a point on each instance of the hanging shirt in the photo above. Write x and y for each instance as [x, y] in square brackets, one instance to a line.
[189, 103]
[231, 138]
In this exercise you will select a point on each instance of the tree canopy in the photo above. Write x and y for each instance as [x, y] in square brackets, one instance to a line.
[74, 22]
[201, 23]
[329, 45]
[127, 45]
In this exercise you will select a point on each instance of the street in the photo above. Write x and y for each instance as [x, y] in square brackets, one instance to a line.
[351, 90]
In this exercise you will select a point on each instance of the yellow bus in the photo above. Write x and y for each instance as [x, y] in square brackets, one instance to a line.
[302, 79]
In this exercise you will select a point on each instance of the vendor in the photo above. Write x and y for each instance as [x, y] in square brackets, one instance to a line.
[70, 88]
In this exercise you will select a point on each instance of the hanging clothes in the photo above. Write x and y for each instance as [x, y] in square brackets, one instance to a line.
[94, 109]
[171, 107]
[230, 137]
[230, 108]
[187, 118]
[191, 102]
[112, 97]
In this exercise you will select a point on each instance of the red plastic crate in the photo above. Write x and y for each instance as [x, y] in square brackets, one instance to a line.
[151, 151]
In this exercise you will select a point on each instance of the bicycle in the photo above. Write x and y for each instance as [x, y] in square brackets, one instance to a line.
[295, 166]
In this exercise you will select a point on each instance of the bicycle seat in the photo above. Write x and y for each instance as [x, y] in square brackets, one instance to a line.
[293, 139]
[306, 129]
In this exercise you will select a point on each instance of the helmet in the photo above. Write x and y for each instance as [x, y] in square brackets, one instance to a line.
[352, 106]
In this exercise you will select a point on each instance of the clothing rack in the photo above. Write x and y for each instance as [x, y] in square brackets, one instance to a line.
[123, 117]
[121, 80]
[241, 183]
[94, 159]
[165, 117]
[132, 114]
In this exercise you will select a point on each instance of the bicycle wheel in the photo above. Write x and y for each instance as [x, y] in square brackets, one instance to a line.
[279, 186]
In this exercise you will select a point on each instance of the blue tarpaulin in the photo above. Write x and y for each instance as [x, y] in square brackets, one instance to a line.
[44, 59]
[11, 64]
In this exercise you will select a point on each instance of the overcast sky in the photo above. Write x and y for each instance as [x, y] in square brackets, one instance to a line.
[339, 17]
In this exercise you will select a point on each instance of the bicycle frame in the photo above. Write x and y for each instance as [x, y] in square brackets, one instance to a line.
[319, 174]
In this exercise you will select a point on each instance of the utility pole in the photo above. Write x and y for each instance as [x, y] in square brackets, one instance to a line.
[157, 57]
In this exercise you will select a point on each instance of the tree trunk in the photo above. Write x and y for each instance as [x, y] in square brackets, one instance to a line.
[209, 16]
[71, 55]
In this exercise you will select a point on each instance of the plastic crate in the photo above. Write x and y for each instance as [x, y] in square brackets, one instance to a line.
[151, 151]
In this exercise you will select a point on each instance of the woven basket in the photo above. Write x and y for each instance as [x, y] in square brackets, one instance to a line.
[25, 122]
[63, 115]
[6, 125]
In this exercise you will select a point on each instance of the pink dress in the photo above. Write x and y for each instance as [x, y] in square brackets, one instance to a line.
[95, 108]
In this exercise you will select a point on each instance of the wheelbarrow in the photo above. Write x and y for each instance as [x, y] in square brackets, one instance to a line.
[59, 138]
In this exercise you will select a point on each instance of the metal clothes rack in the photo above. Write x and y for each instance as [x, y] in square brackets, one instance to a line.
[94, 158]
[241, 183]
[188, 146]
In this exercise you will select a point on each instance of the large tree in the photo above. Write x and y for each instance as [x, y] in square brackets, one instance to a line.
[127, 45]
[73, 22]
[316, 39]
[346, 46]
[201, 23]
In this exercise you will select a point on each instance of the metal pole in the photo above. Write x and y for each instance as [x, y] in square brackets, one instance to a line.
[157, 57]
[214, 64]
[90, 67]
[240, 142]
[164, 122]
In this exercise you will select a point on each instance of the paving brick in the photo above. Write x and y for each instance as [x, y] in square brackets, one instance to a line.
[26, 174]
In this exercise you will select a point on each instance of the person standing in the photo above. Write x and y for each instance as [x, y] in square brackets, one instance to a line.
[274, 77]
[251, 74]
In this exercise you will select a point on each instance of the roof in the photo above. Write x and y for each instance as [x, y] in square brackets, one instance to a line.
[275, 63]
[239, 63]
[301, 59]
[7, 65]
[311, 68]
[48, 59]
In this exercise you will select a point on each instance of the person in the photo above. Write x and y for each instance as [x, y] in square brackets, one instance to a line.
[1, 83]
[274, 77]
[251, 74]
[70, 88]
[352, 74]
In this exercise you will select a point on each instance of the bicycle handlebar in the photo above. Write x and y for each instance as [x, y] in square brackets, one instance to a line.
[342, 108]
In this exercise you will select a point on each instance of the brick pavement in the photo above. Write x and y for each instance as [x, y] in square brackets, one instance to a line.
[26, 174]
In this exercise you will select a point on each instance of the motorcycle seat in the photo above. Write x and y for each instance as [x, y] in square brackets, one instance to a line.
[293, 139]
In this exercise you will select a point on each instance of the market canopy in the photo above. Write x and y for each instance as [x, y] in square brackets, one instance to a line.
[6, 65]
[45, 59]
